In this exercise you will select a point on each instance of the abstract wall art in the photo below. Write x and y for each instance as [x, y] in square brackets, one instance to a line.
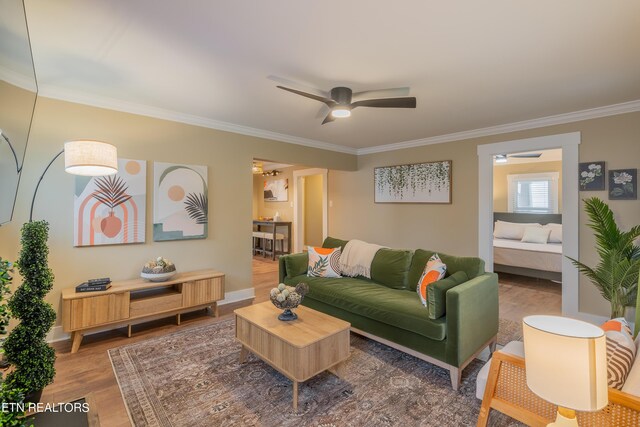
[416, 183]
[111, 210]
[180, 202]
[276, 190]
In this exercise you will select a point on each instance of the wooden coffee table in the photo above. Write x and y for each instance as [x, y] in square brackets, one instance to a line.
[298, 349]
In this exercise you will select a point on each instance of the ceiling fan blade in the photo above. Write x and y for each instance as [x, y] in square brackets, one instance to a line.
[299, 86]
[381, 93]
[409, 102]
[526, 156]
[329, 102]
[328, 119]
[323, 111]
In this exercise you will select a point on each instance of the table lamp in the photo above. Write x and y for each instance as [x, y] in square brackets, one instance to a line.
[566, 364]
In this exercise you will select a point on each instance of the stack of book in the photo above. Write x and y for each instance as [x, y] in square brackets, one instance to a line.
[94, 285]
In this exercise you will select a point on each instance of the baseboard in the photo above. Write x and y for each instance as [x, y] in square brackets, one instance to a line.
[58, 334]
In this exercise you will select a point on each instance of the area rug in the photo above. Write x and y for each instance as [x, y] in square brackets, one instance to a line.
[193, 377]
[508, 331]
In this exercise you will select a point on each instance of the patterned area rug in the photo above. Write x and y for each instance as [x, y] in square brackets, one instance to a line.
[192, 377]
[508, 330]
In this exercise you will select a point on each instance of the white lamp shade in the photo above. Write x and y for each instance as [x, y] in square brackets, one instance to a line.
[90, 158]
[566, 362]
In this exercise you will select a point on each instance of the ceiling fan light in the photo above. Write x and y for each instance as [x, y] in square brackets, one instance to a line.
[340, 112]
[501, 158]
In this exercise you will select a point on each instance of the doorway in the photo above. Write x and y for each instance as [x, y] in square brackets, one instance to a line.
[568, 143]
[310, 208]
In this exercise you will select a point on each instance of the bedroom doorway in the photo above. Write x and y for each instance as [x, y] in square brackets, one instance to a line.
[569, 196]
[527, 232]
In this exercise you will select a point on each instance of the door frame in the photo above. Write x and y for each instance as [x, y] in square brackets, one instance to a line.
[298, 205]
[569, 143]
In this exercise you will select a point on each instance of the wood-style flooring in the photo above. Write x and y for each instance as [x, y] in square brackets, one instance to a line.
[90, 371]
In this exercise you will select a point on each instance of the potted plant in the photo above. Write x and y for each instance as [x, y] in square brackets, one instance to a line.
[6, 268]
[25, 347]
[616, 274]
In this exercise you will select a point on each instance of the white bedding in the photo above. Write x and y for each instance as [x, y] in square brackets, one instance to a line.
[536, 256]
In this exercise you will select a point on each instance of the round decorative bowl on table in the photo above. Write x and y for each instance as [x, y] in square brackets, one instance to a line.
[158, 277]
[287, 298]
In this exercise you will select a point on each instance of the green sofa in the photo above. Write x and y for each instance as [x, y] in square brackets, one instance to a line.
[387, 308]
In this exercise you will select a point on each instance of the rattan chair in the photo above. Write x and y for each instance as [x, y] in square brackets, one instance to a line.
[507, 392]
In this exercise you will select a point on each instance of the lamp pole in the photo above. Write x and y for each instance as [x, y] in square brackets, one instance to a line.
[33, 200]
[15, 157]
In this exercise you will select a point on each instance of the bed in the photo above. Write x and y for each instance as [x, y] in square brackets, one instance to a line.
[539, 260]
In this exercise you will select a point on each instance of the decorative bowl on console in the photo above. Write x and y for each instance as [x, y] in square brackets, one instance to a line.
[158, 270]
[287, 298]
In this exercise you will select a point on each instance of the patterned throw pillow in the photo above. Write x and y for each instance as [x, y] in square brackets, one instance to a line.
[621, 351]
[433, 271]
[324, 262]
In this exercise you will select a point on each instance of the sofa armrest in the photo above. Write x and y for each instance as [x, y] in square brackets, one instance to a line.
[472, 317]
[292, 265]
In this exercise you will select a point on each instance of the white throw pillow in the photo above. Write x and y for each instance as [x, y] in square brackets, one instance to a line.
[556, 232]
[536, 235]
[511, 230]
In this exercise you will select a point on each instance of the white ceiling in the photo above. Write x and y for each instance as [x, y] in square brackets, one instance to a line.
[471, 64]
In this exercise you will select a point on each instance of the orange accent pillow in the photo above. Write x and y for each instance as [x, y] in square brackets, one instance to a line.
[433, 271]
[323, 262]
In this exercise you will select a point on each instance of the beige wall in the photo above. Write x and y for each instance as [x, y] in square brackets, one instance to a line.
[313, 210]
[454, 228]
[228, 157]
[500, 185]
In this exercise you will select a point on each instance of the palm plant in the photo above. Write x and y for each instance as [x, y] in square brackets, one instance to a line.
[616, 274]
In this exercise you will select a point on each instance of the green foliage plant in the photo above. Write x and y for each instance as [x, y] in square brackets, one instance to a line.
[616, 274]
[25, 347]
[6, 269]
[14, 415]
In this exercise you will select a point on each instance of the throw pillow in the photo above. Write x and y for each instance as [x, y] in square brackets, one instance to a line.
[437, 293]
[556, 232]
[511, 230]
[621, 351]
[536, 235]
[433, 271]
[323, 262]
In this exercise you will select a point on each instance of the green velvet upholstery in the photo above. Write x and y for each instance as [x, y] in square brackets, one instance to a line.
[390, 267]
[331, 242]
[396, 307]
[437, 293]
[470, 265]
[471, 307]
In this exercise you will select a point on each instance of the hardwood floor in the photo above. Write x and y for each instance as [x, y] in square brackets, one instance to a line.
[90, 371]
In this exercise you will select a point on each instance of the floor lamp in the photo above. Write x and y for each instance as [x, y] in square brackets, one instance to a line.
[81, 157]
[566, 365]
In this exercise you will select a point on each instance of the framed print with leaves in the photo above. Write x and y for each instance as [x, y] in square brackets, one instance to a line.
[428, 182]
[180, 202]
[623, 184]
[111, 210]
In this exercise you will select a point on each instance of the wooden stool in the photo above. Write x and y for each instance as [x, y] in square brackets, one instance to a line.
[268, 238]
[258, 242]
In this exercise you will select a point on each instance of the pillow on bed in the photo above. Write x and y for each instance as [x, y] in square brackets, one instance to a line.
[511, 230]
[536, 235]
[556, 232]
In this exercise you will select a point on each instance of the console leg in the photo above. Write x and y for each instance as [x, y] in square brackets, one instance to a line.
[77, 339]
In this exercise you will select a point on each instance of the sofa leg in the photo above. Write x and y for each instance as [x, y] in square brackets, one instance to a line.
[454, 373]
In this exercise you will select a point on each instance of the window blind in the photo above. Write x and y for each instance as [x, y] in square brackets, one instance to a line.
[533, 193]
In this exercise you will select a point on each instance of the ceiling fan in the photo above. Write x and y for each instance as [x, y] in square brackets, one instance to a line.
[502, 158]
[340, 101]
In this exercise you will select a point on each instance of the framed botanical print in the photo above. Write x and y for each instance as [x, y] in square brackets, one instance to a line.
[428, 182]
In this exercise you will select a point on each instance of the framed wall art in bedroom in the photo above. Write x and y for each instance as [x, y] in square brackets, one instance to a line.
[428, 182]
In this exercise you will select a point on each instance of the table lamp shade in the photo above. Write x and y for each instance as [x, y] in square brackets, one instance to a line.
[90, 158]
[566, 362]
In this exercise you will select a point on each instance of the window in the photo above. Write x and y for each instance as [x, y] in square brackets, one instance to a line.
[533, 192]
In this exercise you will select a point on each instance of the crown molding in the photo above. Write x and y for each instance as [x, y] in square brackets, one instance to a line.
[50, 91]
[576, 116]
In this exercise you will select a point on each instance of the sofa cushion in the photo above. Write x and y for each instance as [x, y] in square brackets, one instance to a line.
[390, 267]
[396, 307]
[323, 262]
[331, 242]
[296, 264]
[472, 266]
[621, 351]
[437, 293]
[433, 271]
